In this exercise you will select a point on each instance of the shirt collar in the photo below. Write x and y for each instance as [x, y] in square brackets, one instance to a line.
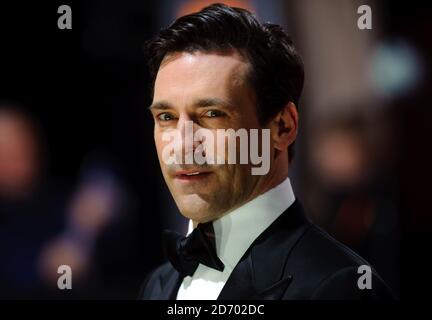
[236, 231]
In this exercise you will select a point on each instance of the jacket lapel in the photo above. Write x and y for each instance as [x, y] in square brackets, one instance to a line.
[260, 274]
[169, 285]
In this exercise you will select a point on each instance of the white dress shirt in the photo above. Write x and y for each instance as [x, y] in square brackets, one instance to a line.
[234, 233]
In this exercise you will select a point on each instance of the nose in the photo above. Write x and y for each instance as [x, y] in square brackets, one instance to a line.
[186, 146]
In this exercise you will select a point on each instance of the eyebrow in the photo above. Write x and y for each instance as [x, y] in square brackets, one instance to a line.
[200, 103]
[211, 102]
[162, 105]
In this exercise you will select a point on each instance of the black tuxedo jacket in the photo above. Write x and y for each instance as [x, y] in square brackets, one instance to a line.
[291, 259]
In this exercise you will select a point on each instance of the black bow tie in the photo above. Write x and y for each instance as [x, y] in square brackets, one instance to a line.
[185, 253]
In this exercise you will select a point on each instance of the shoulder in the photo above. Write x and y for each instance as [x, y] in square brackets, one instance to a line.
[324, 268]
[326, 250]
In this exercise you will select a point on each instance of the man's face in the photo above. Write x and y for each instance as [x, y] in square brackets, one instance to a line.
[211, 90]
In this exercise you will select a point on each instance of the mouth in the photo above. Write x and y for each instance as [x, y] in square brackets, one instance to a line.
[192, 175]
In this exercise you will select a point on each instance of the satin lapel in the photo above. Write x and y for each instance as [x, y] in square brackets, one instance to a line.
[260, 274]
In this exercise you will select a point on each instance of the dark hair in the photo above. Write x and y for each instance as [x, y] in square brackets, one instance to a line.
[276, 73]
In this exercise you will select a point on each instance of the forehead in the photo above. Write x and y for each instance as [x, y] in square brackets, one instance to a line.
[185, 75]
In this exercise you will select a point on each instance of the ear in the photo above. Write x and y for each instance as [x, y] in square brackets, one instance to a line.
[283, 127]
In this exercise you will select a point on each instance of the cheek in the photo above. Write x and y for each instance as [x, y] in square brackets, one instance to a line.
[159, 143]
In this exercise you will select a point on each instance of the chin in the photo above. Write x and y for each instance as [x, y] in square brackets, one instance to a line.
[195, 208]
[197, 216]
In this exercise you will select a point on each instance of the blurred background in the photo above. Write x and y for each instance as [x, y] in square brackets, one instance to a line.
[79, 179]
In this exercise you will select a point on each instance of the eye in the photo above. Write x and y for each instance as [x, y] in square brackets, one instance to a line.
[165, 116]
[213, 113]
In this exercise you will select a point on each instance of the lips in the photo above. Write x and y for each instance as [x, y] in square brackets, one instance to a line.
[189, 175]
[192, 174]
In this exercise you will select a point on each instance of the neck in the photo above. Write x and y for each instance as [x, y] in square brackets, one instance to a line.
[274, 178]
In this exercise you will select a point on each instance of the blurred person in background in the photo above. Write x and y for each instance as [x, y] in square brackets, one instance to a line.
[353, 193]
[92, 207]
[43, 225]
[99, 240]
[31, 207]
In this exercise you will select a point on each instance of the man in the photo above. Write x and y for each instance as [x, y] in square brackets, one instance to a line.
[248, 236]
